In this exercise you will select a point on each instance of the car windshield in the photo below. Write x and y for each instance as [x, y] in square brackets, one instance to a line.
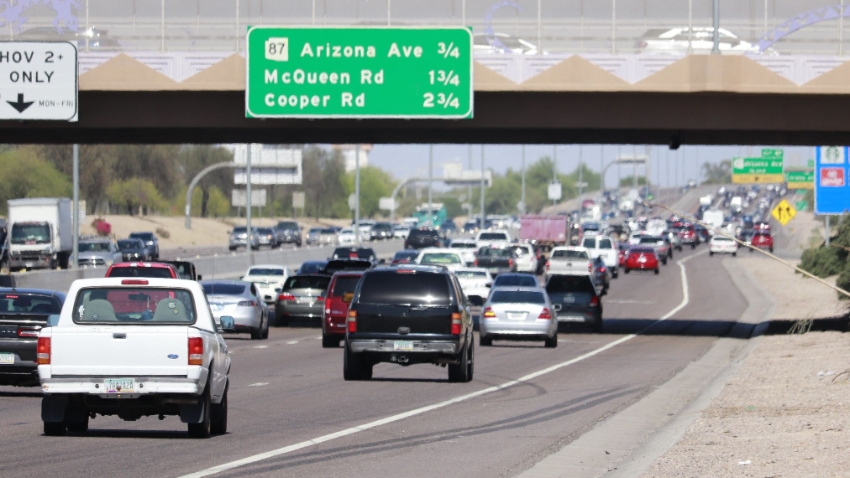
[93, 247]
[29, 304]
[138, 306]
[284, 226]
[307, 282]
[439, 258]
[125, 244]
[562, 284]
[517, 297]
[493, 236]
[224, 288]
[569, 254]
[344, 284]
[471, 274]
[30, 234]
[512, 280]
[405, 288]
[265, 271]
[152, 272]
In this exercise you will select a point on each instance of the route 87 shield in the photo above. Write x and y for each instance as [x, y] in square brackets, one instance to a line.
[38, 81]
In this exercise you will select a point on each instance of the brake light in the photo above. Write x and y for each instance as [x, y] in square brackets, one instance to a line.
[196, 351]
[475, 262]
[601, 269]
[510, 262]
[457, 321]
[589, 267]
[134, 282]
[247, 303]
[488, 313]
[352, 321]
[28, 332]
[545, 315]
[286, 298]
[42, 356]
[328, 306]
[594, 301]
[547, 265]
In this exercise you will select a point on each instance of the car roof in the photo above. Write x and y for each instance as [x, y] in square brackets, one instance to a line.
[509, 288]
[154, 265]
[17, 290]
[442, 250]
[414, 267]
[569, 248]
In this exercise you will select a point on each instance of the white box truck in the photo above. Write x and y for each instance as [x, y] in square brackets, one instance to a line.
[39, 233]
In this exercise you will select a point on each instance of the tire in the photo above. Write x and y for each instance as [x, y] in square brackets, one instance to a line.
[710, 253]
[231, 248]
[355, 367]
[599, 326]
[485, 341]
[693, 245]
[266, 330]
[771, 250]
[615, 274]
[664, 262]
[218, 420]
[298, 244]
[329, 342]
[460, 373]
[657, 271]
[203, 429]
[258, 333]
[552, 341]
[734, 254]
[54, 429]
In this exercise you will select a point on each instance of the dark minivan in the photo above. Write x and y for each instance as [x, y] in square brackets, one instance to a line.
[422, 238]
[151, 243]
[23, 313]
[575, 300]
[408, 314]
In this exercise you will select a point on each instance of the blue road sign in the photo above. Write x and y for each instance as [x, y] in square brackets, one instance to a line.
[832, 189]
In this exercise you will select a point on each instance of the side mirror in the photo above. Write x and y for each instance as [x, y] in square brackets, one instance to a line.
[200, 277]
[347, 297]
[227, 324]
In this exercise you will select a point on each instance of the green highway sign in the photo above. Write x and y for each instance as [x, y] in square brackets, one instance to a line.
[800, 179]
[801, 205]
[772, 153]
[765, 169]
[350, 72]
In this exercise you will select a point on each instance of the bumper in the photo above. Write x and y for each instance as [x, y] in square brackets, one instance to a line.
[144, 386]
[42, 262]
[284, 309]
[334, 325]
[723, 250]
[24, 370]
[242, 321]
[540, 328]
[576, 317]
[389, 346]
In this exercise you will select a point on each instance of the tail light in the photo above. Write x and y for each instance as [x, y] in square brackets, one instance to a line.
[589, 267]
[594, 301]
[602, 269]
[475, 262]
[28, 332]
[352, 255]
[42, 356]
[247, 303]
[457, 322]
[547, 265]
[510, 262]
[352, 321]
[134, 282]
[196, 351]
[286, 298]
[546, 314]
[489, 314]
[328, 306]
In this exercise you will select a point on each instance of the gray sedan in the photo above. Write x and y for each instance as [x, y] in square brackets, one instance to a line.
[302, 297]
[518, 313]
[239, 300]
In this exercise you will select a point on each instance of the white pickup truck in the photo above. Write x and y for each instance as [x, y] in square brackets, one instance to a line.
[606, 248]
[496, 238]
[568, 260]
[133, 348]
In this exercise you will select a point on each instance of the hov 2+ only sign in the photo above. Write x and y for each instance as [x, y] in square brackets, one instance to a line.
[369, 72]
[38, 81]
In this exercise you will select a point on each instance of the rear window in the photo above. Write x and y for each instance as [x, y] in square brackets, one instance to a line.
[137, 306]
[569, 254]
[311, 282]
[560, 284]
[590, 243]
[406, 255]
[29, 304]
[344, 284]
[265, 271]
[152, 272]
[462, 245]
[439, 258]
[145, 236]
[470, 274]
[402, 288]
[224, 289]
[311, 267]
[641, 250]
[493, 236]
[650, 240]
[516, 297]
[605, 244]
[519, 281]
[419, 232]
[520, 250]
[488, 252]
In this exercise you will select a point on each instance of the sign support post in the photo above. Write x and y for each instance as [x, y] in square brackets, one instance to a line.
[248, 210]
[76, 224]
[357, 193]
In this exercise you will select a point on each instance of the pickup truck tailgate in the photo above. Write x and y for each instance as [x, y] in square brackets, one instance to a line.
[120, 350]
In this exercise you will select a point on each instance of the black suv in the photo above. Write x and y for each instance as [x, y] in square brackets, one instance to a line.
[151, 244]
[381, 231]
[406, 315]
[422, 238]
[287, 232]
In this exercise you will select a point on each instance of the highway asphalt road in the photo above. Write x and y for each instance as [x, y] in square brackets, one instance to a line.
[288, 390]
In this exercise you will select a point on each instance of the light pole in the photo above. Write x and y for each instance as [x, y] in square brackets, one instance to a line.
[523, 181]
[715, 50]
[430, 185]
[357, 193]
[75, 242]
[250, 232]
[481, 221]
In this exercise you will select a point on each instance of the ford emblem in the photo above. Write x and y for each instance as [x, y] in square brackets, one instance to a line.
[173, 356]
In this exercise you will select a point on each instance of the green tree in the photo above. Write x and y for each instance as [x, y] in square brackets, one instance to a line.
[136, 195]
[375, 183]
[28, 176]
[720, 173]
[191, 159]
[630, 181]
[323, 181]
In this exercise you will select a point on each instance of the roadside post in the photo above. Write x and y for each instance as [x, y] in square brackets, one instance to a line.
[832, 193]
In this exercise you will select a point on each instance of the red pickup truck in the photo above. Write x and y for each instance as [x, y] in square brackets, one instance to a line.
[762, 240]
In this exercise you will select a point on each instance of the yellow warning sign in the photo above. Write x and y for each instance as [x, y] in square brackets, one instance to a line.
[784, 212]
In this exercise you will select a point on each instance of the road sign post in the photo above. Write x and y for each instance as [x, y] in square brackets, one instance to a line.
[766, 169]
[365, 72]
[38, 81]
[832, 194]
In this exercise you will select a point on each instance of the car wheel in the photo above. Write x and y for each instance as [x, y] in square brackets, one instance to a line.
[218, 425]
[485, 341]
[355, 367]
[552, 342]
[54, 429]
[734, 254]
[329, 342]
[231, 248]
[657, 271]
[266, 330]
[771, 250]
[615, 274]
[710, 253]
[459, 373]
[298, 244]
[257, 333]
[202, 430]
[599, 326]
[626, 270]
[693, 245]
[664, 262]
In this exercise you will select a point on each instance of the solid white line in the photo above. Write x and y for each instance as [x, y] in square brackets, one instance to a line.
[259, 384]
[350, 431]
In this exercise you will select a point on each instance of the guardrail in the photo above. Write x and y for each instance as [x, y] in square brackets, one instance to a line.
[225, 266]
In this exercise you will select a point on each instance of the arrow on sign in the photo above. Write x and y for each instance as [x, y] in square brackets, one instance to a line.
[20, 105]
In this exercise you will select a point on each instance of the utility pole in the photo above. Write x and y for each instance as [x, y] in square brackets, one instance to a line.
[481, 221]
[75, 242]
[248, 209]
[715, 50]
[580, 170]
[431, 185]
[523, 181]
[469, 186]
[357, 193]
[554, 167]
[539, 32]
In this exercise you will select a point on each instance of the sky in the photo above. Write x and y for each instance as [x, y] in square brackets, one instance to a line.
[667, 167]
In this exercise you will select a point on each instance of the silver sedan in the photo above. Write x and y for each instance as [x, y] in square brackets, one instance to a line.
[518, 313]
[241, 301]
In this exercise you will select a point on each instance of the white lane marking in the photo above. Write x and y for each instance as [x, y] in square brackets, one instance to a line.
[318, 338]
[259, 384]
[419, 411]
[261, 346]
[292, 342]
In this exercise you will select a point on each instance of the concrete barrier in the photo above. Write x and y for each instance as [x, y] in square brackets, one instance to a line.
[221, 266]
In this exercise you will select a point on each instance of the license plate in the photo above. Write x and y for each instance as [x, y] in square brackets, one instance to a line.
[305, 300]
[516, 315]
[119, 385]
[28, 264]
[403, 345]
[7, 359]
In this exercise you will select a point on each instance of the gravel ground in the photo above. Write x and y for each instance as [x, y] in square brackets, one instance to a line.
[785, 412]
